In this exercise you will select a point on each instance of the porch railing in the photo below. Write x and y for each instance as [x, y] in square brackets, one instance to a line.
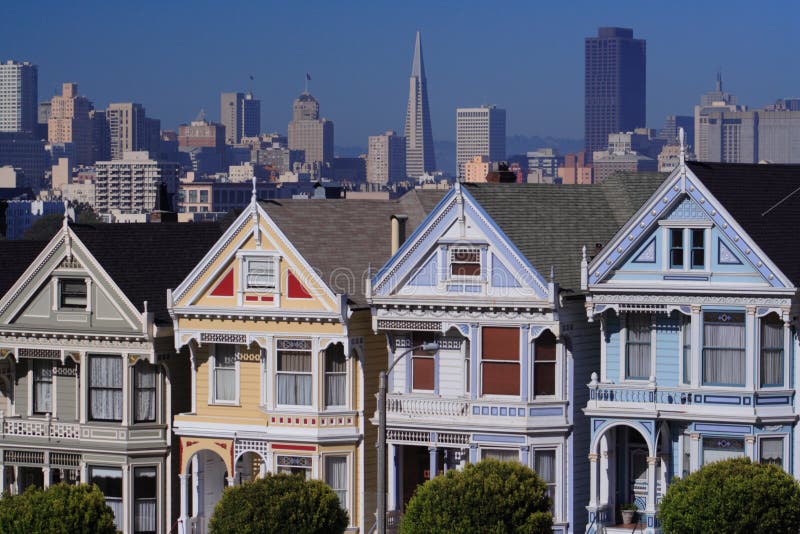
[46, 428]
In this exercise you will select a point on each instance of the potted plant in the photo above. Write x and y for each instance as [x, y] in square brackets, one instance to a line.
[628, 510]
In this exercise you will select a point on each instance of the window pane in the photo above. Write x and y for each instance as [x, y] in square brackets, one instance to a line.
[225, 355]
[43, 386]
[676, 248]
[294, 361]
[698, 249]
[503, 455]
[335, 376]
[771, 351]
[500, 343]
[105, 388]
[261, 273]
[294, 389]
[687, 349]
[422, 373]
[144, 494]
[772, 451]
[544, 380]
[638, 327]
[225, 384]
[723, 348]
[109, 480]
[465, 262]
[145, 392]
[336, 477]
[500, 378]
[716, 449]
[73, 293]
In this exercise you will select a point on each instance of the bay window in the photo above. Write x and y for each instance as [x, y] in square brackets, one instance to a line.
[224, 373]
[544, 463]
[544, 365]
[336, 477]
[109, 481]
[144, 500]
[294, 380]
[335, 376]
[42, 386]
[144, 387]
[105, 388]
[500, 366]
[771, 368]
[724, 348]
[638, 328]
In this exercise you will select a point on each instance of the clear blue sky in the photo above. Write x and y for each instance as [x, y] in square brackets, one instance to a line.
[175, 56]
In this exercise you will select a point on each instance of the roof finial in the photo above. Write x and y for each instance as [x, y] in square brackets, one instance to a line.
[254, 211]
[253, 197]
[682, 141]
[66, 213]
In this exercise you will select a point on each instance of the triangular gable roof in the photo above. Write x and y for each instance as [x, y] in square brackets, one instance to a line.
[683, 182]
[343, 239]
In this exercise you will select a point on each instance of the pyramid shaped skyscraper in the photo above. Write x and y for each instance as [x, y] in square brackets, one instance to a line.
[419, 137]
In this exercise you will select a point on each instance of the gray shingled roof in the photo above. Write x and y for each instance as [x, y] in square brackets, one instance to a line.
[345, 239]
[550, 223]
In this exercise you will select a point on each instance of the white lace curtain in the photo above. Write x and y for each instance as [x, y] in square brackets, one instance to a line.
[336, 477]
[544, 463]
[771, 351]
[638, 345]
[723, 348]
[294, 377]
[772, 451]
[145, 397]
[109, 481]
[225, 372]
[105, 387]
[144, 506]
[335, 376]
[43, 386]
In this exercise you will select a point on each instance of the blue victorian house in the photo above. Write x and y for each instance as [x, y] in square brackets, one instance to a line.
[696, 298]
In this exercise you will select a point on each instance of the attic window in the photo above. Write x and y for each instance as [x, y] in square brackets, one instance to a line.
[261, 274]
[465, 262]
[72, 294]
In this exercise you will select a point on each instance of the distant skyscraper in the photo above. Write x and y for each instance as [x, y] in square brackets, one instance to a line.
[69, 122]
[386, 160]
[133, 183]
[615, 88]
[420, 158]
[240, 113]
[311, 135]
[19, 97]
[127, 128]
[480, 132]
[101, 136]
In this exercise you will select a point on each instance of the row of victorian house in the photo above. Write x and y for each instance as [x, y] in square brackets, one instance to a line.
[611, 337]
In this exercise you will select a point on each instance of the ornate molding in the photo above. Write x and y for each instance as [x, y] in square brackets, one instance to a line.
[686, 300]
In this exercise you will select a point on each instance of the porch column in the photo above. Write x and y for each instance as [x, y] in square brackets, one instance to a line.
[606, 472]
[473, 453]
[184, 518]
[594, 479]
[694, 454]
[652, 462]
[525, 455]
[46, 476]
[231, 481]
[433, 467]
[2, 477]
[126, 392]
[750, 447]
[391, 483]
[750, 322]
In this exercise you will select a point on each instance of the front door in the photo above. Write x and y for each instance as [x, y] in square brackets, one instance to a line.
[416, 464]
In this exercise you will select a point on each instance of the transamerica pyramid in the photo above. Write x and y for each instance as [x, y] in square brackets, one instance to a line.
[419, 138]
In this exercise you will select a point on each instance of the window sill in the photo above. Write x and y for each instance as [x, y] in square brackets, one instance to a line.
[234, 404]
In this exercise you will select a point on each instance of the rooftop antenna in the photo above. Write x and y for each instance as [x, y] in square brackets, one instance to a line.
[308, 79]
[201, 116]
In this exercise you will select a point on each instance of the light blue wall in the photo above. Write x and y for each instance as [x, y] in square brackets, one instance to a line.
[612, 346]
[667, 350]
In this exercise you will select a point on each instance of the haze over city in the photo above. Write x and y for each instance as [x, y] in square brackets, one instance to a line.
[175, 58]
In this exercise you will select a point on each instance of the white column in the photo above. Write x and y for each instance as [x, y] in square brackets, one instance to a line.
[2, 477]
[696, 348]
[391, 479]
[127, 502]
[126, 392]
[750, 342]
[652, 461]
[83, 387]
[604, 495]
[184, 518]
[750, 447]
[230, 481]
[694, 452]
[594, 479]
[192, 377]
[603, 352]
[433, 466]
[46, 476]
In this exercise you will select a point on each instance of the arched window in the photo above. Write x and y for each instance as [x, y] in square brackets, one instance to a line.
[544, 365]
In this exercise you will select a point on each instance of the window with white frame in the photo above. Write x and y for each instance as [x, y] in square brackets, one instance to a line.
[295, 465]
[335, 376]
[293, 372]
[686, 338]
[423, 363]
[502, 455]
[144, 388]
[72, 294]
[224, 373]
[261, 273]
[771, 345]
[723, 348]
[105, 387]
[336, 477]
[109, 481]
[42, 386]
[687, 248]
[544, 365]
[500, 361]
[144, 500]
[544, 463]
[721, 448]
[464, 262]
[638, 328]
[771, 451]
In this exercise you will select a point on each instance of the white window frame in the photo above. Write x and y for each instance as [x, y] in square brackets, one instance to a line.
[450, 252]
[347, 385]
[212, 377]
[623, 349]
[687, 227]
[348, 489]
[784, 447]
[314, 371]
[59, 287]
[244, 257]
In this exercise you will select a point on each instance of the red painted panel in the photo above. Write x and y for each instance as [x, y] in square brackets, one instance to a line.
[296, 289]
[225, 286]
[267, 299]
[282, 447]
[251, 298]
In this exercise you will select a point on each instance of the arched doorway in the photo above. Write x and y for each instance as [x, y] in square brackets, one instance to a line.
[208, 476]
[248, 467]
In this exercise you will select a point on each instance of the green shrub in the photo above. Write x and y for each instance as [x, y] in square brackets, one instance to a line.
[280, 504]
[489, 497]
[60, 509]
[732, 497]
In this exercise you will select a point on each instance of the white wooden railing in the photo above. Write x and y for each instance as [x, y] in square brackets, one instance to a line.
[421, 406]
[46, 428]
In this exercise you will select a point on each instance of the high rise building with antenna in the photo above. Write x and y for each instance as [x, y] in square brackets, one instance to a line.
[420, 157]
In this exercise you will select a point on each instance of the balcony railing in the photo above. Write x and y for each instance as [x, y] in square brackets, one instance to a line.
[49, 429]
[414, 406]
[46, 428]
[420, 406]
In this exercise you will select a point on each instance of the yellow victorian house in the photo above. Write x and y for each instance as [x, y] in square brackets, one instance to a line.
[284, 362]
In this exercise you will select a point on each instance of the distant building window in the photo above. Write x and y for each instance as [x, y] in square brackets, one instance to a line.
[72, 294]
[465, 262]
[261, 274]
[500, 361]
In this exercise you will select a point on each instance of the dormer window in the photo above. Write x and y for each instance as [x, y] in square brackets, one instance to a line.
[72, 294]
[687, 248]
[465, 262]
[261, 274]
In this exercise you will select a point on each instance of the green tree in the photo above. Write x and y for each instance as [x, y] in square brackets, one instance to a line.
[489, 497]
[279, 504]
[44, 228]
[732, 497]
[60, 509]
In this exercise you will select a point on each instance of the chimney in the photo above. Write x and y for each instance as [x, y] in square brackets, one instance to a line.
[398, 231]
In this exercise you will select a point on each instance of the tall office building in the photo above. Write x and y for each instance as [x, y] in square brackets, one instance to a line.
[101, 136]
[311, 135]
[69, 122]
[705, 147]
[240, 113]
[614, 85]
[480, 132]
[420, 158]
[386, 159]
[134, 184]
[19, 97]
[127, 128]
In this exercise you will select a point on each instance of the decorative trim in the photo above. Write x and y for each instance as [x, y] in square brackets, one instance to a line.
[648, 253]
[215, 337]
[396, 324]
[725, 255]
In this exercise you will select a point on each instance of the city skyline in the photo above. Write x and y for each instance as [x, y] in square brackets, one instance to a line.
[359, 64]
